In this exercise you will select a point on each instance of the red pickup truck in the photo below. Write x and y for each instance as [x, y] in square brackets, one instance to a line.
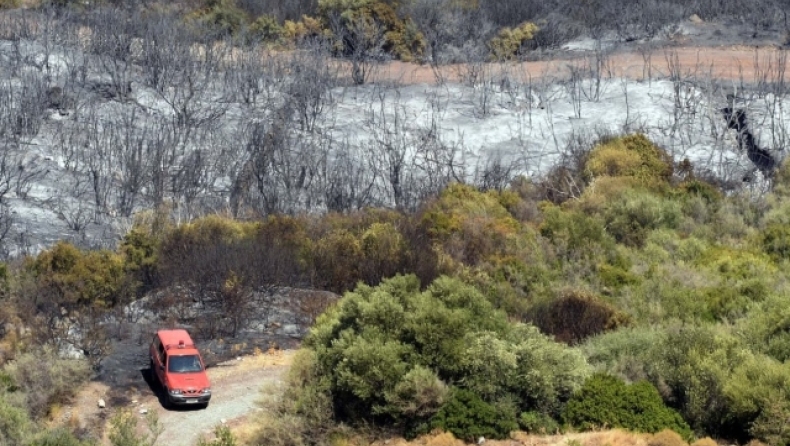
[177, 365]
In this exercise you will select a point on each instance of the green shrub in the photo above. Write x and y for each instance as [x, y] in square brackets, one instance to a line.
[401, 38]
[470, 226]
[337, 258]
[222, 437]
[45, 379]
[776, 241]
[625, 352]
[538, 423]
[9, 4]
[124, 431]
[607, 401]
[73, 276]
[575, 234]
[767, 328]
[509, 41]
[616, 277]
[266, 28]
[383, 354]
[140, 250]
[221, 16]
[57, 437]
[15, 424]
[468, 417]
[631, 156]
[630, 216]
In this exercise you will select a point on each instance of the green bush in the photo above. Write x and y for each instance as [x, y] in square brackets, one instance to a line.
[631, 156]
[607, 401]
[468, 417]
[575, 234]
[470, 226]
[629, 217]
[625, 352]
[383, 355]
[776, 241]
[73, 276]
[538, 423]
[510, 41]
[221, 16]
[57, 437]
[222, 437]
[15, 425]
[266, 28]
[124, 431]
[44, 379]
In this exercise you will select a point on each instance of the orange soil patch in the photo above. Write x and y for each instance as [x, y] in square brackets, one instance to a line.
[729, 63]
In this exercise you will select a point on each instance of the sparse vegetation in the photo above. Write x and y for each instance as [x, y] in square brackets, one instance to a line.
[624, 288]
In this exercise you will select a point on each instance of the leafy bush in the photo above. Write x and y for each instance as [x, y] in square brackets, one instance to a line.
[383, 354]
[222, 437]
[124, 432]
[538, 423]
[57, 437]
[575, 234]
[509, 41]
[44, 379]
[468, 417]
[221, 16]
[15, 425]
[266, 29]
[470, 226]
[776, 241]
[9, 4]
[630, 216]
[400, 37]
[607, 401]
[631, 156]
[625, 352]
[73, 276]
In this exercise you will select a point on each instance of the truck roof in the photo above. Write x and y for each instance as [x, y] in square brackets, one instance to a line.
[177, 339]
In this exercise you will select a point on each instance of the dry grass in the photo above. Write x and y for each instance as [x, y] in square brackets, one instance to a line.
[615, 437]
[666, 438]
[707, 441]
[270, 358]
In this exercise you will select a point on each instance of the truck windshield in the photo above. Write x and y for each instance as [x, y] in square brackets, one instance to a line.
[184, 364]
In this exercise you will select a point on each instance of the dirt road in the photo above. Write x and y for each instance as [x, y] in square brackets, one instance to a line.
[237, 386]
[700, 62]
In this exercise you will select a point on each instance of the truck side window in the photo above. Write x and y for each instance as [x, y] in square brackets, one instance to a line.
[161, 349]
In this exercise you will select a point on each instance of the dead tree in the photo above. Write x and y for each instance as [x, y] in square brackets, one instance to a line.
[763, 160]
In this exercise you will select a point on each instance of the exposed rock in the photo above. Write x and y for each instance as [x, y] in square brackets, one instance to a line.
[695, 19]
[101, 403]
[143, 411]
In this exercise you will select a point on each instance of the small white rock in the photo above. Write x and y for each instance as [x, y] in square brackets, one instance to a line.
[134, 401]
[481, 440]
[223, 421]
[238, 358]
[143, 411]
[101, 403]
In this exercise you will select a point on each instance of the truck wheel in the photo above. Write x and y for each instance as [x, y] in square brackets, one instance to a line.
[166, 398]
